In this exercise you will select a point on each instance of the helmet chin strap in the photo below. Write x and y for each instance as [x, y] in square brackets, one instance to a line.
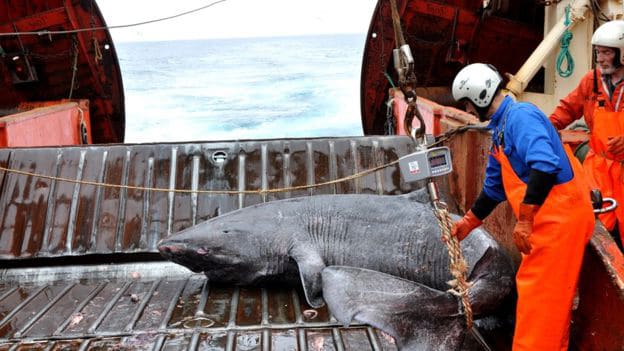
[482, 111]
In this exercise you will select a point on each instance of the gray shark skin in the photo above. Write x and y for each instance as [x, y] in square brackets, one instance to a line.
[298, 239]
[417, 316]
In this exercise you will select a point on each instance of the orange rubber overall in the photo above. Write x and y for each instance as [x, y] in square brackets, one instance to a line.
[604, 170]
[603, 121]
[547, 277]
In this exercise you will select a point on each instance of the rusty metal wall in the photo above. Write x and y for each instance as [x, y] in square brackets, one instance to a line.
[598, 320]
[51, 218]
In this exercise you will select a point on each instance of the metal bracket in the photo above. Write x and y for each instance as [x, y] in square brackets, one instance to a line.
[609, 208]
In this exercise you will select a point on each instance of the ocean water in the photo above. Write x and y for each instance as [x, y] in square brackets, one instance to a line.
[228, 89]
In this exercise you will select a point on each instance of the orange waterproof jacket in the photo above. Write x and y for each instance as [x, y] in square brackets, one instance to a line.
[581, 102]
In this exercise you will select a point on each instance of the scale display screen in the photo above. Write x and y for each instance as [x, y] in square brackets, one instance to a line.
[437, 160]
[425, 164]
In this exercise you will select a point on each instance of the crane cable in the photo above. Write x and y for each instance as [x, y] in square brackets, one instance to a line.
[80, 30]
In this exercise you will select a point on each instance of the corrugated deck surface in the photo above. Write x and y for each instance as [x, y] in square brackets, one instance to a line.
[72, 305]
[177, 311]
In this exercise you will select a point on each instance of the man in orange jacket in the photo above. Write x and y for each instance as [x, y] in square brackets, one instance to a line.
[598, 98]
[546, 188]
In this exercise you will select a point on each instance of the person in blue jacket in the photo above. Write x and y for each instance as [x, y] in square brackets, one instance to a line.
[545, 186]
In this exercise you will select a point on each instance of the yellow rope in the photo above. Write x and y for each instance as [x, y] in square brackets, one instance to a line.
[458, 266]
[188, 191]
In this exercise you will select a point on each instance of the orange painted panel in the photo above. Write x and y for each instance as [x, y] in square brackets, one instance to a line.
[49, 124]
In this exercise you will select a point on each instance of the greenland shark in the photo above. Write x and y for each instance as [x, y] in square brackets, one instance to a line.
[376, 259]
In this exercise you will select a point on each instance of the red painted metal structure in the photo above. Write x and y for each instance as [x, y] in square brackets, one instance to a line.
[443, 37]
[51, 67]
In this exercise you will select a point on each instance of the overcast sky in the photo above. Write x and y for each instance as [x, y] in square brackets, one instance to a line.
[236, 18]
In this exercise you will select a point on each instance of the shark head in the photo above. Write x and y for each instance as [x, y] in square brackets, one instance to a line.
[225, 248]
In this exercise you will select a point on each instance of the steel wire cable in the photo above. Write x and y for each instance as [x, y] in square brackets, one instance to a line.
[80, 30]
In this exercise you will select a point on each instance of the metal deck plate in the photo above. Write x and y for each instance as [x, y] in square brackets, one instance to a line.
[177, 311]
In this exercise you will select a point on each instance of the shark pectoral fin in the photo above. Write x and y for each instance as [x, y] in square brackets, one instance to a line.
[310, 266]
[418, 317]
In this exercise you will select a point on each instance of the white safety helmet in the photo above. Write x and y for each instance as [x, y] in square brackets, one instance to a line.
[477, 82]
[611, 34]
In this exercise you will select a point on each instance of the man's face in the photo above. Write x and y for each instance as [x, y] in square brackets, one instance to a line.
[605, 57]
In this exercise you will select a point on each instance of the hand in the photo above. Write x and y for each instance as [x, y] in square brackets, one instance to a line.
[615, 145]
[524, 227]
[464, 226]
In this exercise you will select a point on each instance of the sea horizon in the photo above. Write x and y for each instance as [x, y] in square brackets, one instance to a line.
[285, 36]
[242, 88]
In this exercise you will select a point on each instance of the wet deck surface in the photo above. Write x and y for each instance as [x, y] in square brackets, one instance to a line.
[177, 312]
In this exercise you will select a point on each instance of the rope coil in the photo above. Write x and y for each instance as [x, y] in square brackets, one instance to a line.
[564, 54]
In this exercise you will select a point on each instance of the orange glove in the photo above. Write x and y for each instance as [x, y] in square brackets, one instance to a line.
[615, 145]
[464, 226]
[524, 227]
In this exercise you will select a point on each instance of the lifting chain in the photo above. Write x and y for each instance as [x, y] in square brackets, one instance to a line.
[404, 65]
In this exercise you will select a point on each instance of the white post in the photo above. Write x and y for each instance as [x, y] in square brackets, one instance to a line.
[518, 82]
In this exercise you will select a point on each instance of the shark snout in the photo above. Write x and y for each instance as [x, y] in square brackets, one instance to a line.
[167, 249]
